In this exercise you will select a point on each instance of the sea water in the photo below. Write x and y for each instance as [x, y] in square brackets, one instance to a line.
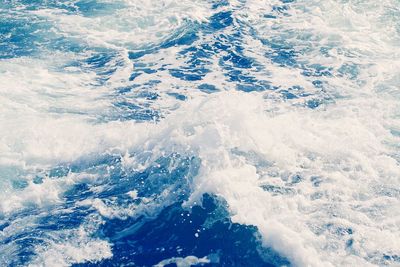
[199, 133]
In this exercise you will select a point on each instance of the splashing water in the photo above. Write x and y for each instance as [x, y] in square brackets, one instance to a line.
[199, 133]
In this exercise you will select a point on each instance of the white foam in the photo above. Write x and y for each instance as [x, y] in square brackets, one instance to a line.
[132, 25]
[345, 152]
[183, 262]
[242, 147]
[71, 247]
[344, 146]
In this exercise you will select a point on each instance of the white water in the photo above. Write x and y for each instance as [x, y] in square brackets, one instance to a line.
[345, 151]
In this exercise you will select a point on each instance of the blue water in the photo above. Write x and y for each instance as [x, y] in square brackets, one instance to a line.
[81, 79]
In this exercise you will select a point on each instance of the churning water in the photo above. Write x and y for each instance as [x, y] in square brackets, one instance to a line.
[199, 133]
